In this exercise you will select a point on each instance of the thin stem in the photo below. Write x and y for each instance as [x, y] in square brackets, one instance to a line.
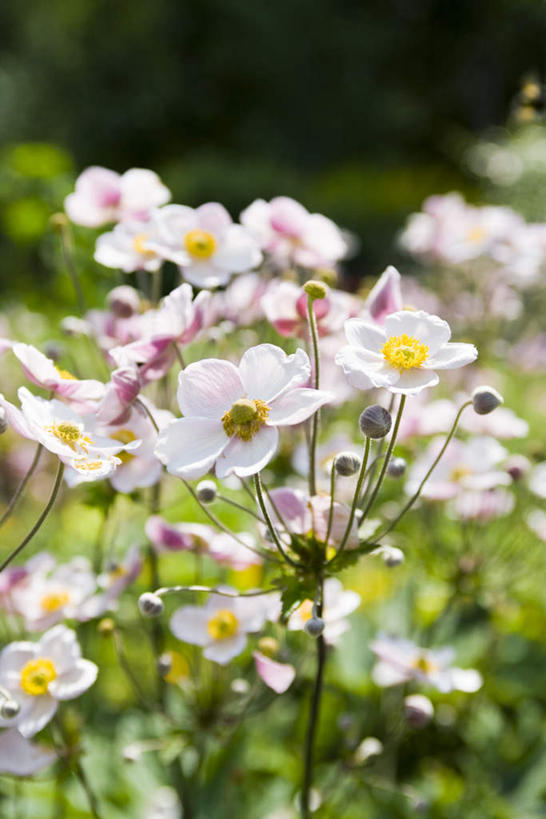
[387, 458]
[91, 798]
[269, 522]
[222, 592]
[128, 671]
[314, 712]
[41, 519]
[148, 412]
[68, 256]
[179, 355]
[239, 506]
[419, 489]
[332, 494]
[155, 288]
[315, 419]
[373, 466]
[21, 488]
[360, 481]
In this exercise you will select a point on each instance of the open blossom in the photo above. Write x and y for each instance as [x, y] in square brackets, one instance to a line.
[198, 537]
[39, 675]
[20, 757]
[482, 506]
[111, 582]
[125, 248]
[41, 370]
[292, 235]
[306, 515]
[337, 604]
[103, 196]
[204, 243]
[232, 414]
[285, 307]
[401, 356]
[221, 625]
[60, 430]
[400, 660]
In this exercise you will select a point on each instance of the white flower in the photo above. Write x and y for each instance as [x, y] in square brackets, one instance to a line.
[20, 757]
[126, 248]
[231, 414]
[221, 625]
[403, 354]
[537, 480]
[39, 675]
[204, 242]
[338, 603]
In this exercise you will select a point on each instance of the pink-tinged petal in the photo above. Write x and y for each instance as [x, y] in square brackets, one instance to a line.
[209, 388]
[189, 624]
[75, 681]
[41, 712]
[452, 356]
[278, 676]
[267, 371]
[16, 419]
[37, 367]
[385, 296]
[222, 651]
[20, 757]
[364, 335]
[287, 216]
[246, 458]
[430, 330]
[213, 217]
[293, 506]
[189, 446]
[238, 252]
[297, 405]
[385, 674]
[164, 535]
[357, 366]
[413, 381]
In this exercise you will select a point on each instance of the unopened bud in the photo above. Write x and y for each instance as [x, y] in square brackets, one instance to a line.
[485, 400]
[517, 466]
[106, 626]
[314, 626]
[396, 467]
[369, 747]
[9, 709]
[150, 605]
[58, 221]
[268, 646]
[315, 289]
[240, 686]
[164, 664]
[418, 710]
[3, 421]
[123, 301]
[53, 350]
[328, 275]
[347, 463]
[392, 556]
[206, 491]
[375, 421]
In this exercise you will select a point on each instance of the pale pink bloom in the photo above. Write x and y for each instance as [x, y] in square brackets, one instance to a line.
[305, 515]
[13, 575]
[232, 414]
[482, 506]
[20, 757]
[41, 370]
[221, 625]
[204, 243]
[285, 307]
[103, 196]
[123, 301]
[472, 465]
[120, 394]
[227, 551]
[385, 297]
[112, 582]
[401, 660]
[126, 248]
[421, 419]
[537, 480]
[240, 302]
[39, 675]
[502, 423]
[278, 676]
[337, 604]
[338, 442]
[536, 521]
[401, 356]
[174, 537]
[292, 235]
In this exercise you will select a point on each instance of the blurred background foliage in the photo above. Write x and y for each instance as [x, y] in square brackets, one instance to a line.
[358, 109]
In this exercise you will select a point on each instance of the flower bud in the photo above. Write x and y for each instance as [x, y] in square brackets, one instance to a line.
[314, 626]
[164, 664]
[106, 626]
[150, 605]
[485, 400]
[392, 556]
[315, 289]
[3, 421]
[53, 350]
[347, 463]
[206, 491]
[58, 221]
[268, 646]
[123, 301]
[375, 421]
[9, 709]
[517, 466]
[418, 710]
[396, 467]
[369, 747]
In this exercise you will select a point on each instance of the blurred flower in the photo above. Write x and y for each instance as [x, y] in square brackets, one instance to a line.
[20, 757]
[112, 582]
[126, 248]
[285, 307]
[385, 297]
[337, 604]
[482, 506]
[537, 480]
[278, 676]
[308, 516]
[536, 521]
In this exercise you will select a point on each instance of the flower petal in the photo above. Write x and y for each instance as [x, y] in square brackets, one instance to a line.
[452, 356]
[430, 330]
[20, 757]
[363, 334]
[207, 389]
[413, 381]
[75, 681]
[267, 371]
[278, 676]
[38, 715]
[248, 457]
[222, 651]
[189, 624]
[297, 405]
[189, 446]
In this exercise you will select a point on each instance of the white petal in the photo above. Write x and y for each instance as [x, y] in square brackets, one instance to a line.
[430, 330]
[248, 457]
[15, 655]
[222, 651]
[189, 446]
[43, 709]
[466, 679]
[75, 681]
[278, 676]
[238, 252]
[451, 356]
[357, 366]
[189, 624]
[413, 381]
[297, 405]
[208, 388]
[266, 371]
[384, 674]
[61, 645]
[20, 757]
[361, 334]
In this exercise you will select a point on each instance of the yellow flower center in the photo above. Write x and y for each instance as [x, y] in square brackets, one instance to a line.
[65, 375]
[404, 352]
[36, 676]
[70, 434]
[139, 244]
[124, 436]
[54, 601]
[476, 234]
[245, 418]
[425, 665]
[179, 669]
[200, 243]
[222, 625]
[305, 610]
[459, 472]
[87, 466]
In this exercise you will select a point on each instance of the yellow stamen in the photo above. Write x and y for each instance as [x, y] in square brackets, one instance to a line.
[139, 244]
[36, 676]
[459, 472]
[54, 600]
[124, 436]
[70, 434]
[200, 243]
[179, 669]
[404, 352]
[222, 625]
[65, 374]
[476, 234]
[425, 665]
[245, 418]
[87, 466]
[305, 610]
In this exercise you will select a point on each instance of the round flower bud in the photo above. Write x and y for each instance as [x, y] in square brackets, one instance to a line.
[392, 556]
[3, 421]
[150, 604]
[123, 301]
[314, 626]
[315, 289]
[396, 467]
[164, 664]
[375, 421]
[485, 400]
[206, 491]
[106, 626]
[347, 463]
[268, 646]
[9, 709]
[368, 748]
[53, 350]
[517, 466]
[418, 710]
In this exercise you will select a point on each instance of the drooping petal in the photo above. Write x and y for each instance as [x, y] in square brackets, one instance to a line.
[189, 446]
[20, 757]
[222, 651]
[209, 388]
[451, 356]
[42, 710]
[75, 681]
[413, 381]
[297, 405]
[278, 676]
[267, 371]
[246, 458]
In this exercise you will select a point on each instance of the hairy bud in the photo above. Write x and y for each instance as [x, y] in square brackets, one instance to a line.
[375, 421]
[347, 463]
[150, 605]
[268, 646]
[9, 709]
[485, 400]
[206, 491]
[315, 289]
[123, 301]
[396, 467]
[418, 710]
[314, 626]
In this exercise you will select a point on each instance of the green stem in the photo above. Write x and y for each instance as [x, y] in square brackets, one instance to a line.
[41, 519]
[21, 488]
[331, 510]
[239, 506]
[314, 713]
[358, 488]
[315, 419]
[68, 256]
[148, 412]
[387, 458]
[269, 522]
[374, 464]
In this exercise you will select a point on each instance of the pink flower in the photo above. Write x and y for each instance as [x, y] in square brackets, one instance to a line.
[174, 537]
[112, 582]
[120, 393]
[285, 307]
[305, 515]
[385, 297]
[232, 414]
[103, 196]
[278, 676]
